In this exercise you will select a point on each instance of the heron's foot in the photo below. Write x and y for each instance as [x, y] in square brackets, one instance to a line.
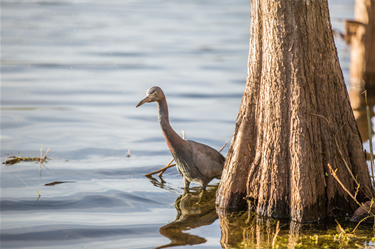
[201, 196]
[185, 194]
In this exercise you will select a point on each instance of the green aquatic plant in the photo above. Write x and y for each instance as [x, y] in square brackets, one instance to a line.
[15, 159]
[249, 230]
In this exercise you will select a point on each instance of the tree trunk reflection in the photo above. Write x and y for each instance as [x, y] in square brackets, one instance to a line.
[361, 116]
[247, 230]
[253, 231]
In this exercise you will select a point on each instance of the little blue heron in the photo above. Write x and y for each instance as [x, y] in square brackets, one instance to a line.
[195, 162]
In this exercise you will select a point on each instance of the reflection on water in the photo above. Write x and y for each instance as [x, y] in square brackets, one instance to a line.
[71, 75]
[190, 214]
[193, 211]
[248, 230]
[363, 121]
[361, 117]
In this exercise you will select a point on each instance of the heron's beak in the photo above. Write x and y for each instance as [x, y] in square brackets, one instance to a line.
[145, 100]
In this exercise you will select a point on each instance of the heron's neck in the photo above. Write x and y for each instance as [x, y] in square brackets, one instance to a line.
[171, 137]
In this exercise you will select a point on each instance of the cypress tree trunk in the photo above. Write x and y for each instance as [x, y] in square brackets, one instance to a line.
[280, 148]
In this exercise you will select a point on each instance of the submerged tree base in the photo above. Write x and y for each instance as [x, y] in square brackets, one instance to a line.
[249, 230]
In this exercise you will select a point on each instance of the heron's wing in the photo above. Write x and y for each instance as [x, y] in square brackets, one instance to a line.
[207, 160]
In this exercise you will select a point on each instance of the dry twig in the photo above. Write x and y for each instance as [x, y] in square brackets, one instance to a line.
[162, 169]
[222, 147]
[169, 165]
[368, 210]
[333, 173]
[338, 147]
[22, 181]
[42, 158]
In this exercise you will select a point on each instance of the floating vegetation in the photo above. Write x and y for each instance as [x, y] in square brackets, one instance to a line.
[15, 159]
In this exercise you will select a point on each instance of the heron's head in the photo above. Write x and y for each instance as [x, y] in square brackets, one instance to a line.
[153, 94]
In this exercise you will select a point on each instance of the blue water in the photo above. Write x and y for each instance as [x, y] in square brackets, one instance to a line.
[71, 75]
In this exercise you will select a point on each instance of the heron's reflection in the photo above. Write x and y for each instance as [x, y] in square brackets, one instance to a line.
[192, 212]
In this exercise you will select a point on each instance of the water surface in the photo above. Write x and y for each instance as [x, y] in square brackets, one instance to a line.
[72, 73]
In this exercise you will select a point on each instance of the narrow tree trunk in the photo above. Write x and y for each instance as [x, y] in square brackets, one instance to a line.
[281, 147]
[360, 34]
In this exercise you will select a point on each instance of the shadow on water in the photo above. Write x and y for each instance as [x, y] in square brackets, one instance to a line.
[192, 212]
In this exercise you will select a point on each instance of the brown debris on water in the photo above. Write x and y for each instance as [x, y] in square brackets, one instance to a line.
[15, 159]
[57, 182]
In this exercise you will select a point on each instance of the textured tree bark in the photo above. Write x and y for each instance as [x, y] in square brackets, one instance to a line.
[280, 148]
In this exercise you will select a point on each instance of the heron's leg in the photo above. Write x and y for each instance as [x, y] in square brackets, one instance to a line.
[203, 190]
[186, 191]
[204, 184]
[186, 186]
